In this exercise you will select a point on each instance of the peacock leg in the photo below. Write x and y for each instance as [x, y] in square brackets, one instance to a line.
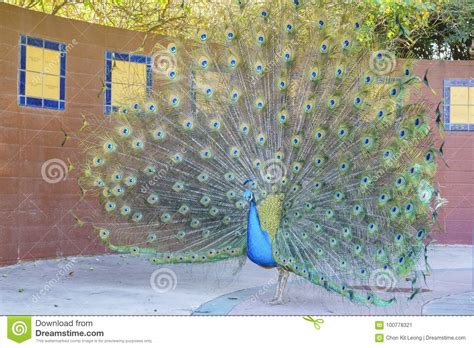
[280, 288]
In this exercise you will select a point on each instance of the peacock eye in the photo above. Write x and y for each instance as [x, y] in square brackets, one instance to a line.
[172, 48]
[204, 62]
[174, 101]
[203, 36]
[230, 34]
[428, 157]
[188, 124]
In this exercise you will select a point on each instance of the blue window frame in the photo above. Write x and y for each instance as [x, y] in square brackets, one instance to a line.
[458, 109]
[49, 79]
[114, 57]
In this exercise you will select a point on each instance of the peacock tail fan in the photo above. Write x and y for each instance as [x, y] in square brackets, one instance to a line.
[293, 98]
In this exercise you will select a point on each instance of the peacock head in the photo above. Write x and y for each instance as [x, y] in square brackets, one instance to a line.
[249, 196]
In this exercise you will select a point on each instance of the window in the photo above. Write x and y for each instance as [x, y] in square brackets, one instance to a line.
[42, 73]
[459, 105]
[128, 79]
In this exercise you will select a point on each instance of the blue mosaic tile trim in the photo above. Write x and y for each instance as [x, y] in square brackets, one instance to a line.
[25, 100]
[447, 84]
[133, 58]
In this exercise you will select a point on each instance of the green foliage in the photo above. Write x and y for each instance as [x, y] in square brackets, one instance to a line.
[436, 29]
[160, 16]
[450, 32]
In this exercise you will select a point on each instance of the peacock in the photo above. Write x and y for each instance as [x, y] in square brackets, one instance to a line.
[285, 134]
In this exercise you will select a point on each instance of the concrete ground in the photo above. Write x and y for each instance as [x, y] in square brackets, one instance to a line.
[123, 284]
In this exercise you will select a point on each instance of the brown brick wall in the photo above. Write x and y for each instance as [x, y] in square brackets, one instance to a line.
[456, 182]
[37, 218]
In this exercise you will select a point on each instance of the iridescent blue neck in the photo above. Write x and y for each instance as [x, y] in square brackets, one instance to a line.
[259, 244]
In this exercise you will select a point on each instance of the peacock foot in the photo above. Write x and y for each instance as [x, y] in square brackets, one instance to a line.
[280, 288]
[275, 302]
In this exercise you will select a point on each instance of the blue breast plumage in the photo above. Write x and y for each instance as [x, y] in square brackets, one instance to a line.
[259, 244]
